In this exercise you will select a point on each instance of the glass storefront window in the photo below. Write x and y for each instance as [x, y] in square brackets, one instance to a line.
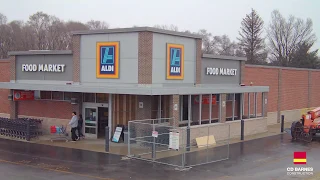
[45, 95]
[67, 96]
[90, 118]
[89, 97]
[57, 95]
[102, 98]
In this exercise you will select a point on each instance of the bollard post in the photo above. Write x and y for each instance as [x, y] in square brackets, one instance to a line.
[28, 130]
[188, 139]
[282, 123]
[242, 129]
[107, 146]
[153, 145]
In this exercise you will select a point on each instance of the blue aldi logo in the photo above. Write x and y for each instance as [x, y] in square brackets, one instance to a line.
[175, 61]
[108, 60]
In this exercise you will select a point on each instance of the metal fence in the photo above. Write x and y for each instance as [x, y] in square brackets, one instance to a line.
[157, 141]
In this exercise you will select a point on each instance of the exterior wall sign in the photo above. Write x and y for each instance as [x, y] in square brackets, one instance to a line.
[23, 95]
[107, 60]
[221, 71]
[43, 68]
[175, 61]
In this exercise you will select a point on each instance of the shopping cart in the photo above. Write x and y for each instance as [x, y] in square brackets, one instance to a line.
[61, 131]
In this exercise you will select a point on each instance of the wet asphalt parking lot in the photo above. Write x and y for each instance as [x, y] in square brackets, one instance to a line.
[263, 159]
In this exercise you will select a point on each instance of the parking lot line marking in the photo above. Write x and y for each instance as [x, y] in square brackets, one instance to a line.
[61, 171]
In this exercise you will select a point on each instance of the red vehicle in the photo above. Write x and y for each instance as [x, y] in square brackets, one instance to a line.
[307, 128]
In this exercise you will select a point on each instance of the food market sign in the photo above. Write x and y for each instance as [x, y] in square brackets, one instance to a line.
[221, 71]
[43, 67]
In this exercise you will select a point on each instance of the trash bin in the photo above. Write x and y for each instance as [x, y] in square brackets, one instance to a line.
[125, 138]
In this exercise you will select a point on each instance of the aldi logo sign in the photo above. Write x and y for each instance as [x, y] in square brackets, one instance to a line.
[175, 61]
[107, 60]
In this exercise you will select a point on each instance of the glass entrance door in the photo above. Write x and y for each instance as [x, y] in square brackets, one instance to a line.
[90, 120]
[102, 121]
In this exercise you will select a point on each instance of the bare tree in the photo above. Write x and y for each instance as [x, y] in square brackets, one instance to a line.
[41, 32]
[6, 40]
[250, 38]
[285, 36]
[73, 26]
[3, 19]
[16, 28]
[28, 38]
[207, 46]
[166, 27]
[209, 42]
[40, 23]
[96, 25]
[227, 47]
[56, 34]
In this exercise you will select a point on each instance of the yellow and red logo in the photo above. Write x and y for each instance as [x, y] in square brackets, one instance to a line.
[300, 158]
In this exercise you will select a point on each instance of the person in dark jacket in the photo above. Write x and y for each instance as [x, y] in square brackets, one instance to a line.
[80, 124]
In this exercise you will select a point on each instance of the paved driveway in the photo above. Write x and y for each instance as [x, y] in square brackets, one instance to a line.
[263, 159]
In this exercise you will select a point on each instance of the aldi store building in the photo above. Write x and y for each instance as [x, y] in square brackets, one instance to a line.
[119, 75]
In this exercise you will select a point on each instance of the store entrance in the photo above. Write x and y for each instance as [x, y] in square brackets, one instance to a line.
[96, 118]
[102, 121]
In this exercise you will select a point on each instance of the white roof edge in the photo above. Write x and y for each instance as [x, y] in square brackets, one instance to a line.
[135, 90]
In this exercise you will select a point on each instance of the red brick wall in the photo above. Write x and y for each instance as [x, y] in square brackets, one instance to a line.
[315, 89]
[4, 77]
[145, 57]
[262, 76]
[45, 108]
[76, 57]
[294, 87]
[294, 91]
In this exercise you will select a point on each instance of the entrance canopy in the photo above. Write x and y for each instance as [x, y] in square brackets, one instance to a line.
[208, 89]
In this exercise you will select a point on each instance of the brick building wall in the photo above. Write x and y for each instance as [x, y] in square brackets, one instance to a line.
[290, 89]
[76, 58]
[4, 77]
[294, 89]
[262, 76]
[145, 43]
[45, 108]
[315, 89]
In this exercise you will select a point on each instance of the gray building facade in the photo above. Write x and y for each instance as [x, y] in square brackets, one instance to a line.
[119, 75]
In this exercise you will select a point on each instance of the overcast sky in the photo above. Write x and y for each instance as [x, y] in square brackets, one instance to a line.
[217, 16]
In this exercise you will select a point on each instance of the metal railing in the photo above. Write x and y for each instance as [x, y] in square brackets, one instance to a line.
[157, 141]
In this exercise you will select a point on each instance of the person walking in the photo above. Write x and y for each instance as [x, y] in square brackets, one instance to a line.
[74, 125]
[80, 124]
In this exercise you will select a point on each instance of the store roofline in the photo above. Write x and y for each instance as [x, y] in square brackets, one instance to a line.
[135, 90]
[212, 56]
[137, 29]
[39, 52]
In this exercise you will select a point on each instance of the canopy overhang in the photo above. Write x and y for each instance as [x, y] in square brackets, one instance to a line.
[136, 90]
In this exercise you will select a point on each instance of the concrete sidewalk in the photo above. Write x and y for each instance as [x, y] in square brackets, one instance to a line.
[98, 145]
